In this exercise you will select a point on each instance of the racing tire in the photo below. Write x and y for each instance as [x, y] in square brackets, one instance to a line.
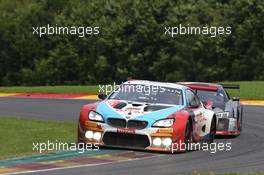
[188, 139]
[212, 131]
[240, 121]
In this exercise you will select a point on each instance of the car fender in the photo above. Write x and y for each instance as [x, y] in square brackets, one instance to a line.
[209, 115]
[84, 113]
[180, 124]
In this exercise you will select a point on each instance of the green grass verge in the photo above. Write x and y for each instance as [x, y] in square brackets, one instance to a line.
[91, 89]
[250, 90]
[18, 135]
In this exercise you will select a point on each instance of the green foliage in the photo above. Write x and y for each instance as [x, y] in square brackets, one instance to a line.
[131, 42]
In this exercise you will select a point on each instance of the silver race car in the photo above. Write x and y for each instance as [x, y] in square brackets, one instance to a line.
[228, 110]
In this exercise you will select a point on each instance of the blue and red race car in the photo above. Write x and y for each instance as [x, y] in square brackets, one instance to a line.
[147, 115]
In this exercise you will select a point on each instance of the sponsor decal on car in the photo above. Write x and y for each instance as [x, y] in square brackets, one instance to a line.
[126, 130]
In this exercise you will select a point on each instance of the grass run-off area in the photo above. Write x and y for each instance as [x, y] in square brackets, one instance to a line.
[19, 134]
[250, 90]
[84, 89]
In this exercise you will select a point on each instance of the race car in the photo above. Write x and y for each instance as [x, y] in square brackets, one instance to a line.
[147, 115]
[228, 110]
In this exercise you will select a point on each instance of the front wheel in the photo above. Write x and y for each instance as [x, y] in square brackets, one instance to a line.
[188, 136]
[239, 123]
[212, 131]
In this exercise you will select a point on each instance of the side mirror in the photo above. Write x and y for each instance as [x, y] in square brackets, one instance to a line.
[193, 105]
[102, 96]
[235, 98]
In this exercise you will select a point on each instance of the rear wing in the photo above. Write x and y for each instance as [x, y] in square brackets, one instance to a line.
[230, 86]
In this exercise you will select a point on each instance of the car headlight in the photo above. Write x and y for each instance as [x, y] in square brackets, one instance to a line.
[222, 114]
[164, 123]
[95, 116]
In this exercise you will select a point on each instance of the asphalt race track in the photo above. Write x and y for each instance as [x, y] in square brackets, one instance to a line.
[50, 109]
[246, 155]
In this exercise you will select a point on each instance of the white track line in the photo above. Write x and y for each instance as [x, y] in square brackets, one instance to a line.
[77, 166]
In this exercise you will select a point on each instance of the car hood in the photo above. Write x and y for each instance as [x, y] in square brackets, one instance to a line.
[135, 111]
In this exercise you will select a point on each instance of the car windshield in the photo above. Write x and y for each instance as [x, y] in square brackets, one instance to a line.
[148, 94]
[217, 97]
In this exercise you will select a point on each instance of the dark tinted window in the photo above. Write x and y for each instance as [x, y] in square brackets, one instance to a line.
[217, 97]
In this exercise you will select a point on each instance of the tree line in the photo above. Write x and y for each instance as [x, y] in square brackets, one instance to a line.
[131, 41]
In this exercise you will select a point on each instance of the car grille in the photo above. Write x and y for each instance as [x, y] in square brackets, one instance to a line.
[223, 124]
[136, 124]
[126, 140]
[118, 123]
[122, 123]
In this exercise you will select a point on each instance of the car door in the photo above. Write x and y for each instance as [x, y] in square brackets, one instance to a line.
[196, 107]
